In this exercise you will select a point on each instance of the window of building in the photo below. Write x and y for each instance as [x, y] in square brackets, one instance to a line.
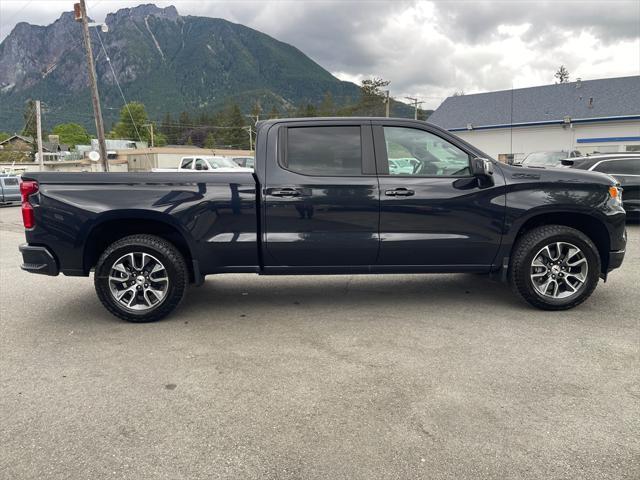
[326, 151]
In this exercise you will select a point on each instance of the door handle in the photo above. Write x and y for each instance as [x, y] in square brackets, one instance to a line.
[399, 192]
[284, 192]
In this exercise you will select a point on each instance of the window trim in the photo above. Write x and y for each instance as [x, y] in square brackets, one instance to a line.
[367, 157]
[382, 159]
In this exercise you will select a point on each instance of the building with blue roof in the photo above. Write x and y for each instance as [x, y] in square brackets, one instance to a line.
[586, 115]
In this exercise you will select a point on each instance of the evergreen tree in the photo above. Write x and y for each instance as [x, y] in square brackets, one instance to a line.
[274, 113]
[210, 141]
[562, 74]
[133, 123]
[327, 107]
[235, 135]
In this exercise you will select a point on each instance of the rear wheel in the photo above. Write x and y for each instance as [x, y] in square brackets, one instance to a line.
[554, 267]
[141, 278]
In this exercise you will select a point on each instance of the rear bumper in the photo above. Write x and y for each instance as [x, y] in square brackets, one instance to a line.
[38, 260]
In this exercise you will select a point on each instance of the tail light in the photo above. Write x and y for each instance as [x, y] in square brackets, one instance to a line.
[28, 188]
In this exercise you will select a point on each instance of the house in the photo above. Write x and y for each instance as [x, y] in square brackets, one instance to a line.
[17, 148]
[144, 159]
[590, 116]
[20, 148]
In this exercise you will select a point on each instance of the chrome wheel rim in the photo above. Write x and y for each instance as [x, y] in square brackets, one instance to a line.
[138, 281]
[559, 270]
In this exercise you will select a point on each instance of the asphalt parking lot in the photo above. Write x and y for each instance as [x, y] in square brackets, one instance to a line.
[358, 377]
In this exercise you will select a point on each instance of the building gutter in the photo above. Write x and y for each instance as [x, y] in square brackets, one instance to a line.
[547, 122]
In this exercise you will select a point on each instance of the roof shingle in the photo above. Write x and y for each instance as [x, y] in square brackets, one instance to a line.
[607, 97]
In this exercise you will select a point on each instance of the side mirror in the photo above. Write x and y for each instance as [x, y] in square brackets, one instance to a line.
[567, 162]
[482, 167]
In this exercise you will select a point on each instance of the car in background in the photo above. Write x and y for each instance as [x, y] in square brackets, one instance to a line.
[547, 159]
[208, 164]
[245, 162]
[624, 167]
[9, 189]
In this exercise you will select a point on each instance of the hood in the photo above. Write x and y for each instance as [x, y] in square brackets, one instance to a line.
[560, 175]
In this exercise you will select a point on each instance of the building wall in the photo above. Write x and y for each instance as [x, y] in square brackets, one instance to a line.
[499, 141]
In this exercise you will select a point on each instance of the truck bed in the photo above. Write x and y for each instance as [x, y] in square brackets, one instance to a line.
[215, 213]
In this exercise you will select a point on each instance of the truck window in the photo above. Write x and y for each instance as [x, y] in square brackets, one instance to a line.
[413, 152]
[629, 166]
[186, 163]
[201, 164]
[327, 151]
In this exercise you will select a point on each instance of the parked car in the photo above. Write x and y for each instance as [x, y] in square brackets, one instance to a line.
[547, 159]
[246, 162]
[9, 189]
[624, 167]
[215, 164]
[324, 200]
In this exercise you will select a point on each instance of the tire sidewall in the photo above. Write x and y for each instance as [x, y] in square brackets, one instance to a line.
[587, 287]
[176, 284]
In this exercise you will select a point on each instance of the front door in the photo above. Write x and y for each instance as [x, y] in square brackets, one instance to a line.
[321, 196]
[433, 212]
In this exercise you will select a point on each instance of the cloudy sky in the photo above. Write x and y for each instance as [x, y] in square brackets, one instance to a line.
[426, 49]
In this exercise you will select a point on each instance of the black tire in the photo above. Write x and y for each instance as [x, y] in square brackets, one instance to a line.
[162, 250]
[528, 246]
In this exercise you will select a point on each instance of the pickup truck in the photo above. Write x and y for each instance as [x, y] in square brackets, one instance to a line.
[322, 200]
[201, 163]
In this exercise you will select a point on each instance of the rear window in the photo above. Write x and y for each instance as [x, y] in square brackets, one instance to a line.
[10, 182]
[327, 151]
[630, 166]
[186, 163]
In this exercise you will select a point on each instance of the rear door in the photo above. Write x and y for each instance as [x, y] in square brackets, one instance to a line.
[321, 195]
[433, 212]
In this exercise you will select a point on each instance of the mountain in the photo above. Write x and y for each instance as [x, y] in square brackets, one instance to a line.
[170, 62]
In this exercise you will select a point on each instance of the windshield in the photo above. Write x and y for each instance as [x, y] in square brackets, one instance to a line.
[220, 162]
[544, 159]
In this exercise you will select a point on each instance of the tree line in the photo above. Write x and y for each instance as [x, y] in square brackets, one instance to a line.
[229, 127]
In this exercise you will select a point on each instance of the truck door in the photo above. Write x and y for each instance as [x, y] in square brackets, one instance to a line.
[321, 195]
[433, 212]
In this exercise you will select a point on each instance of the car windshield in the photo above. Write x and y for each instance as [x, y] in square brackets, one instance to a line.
[544, 159]
[220, 162]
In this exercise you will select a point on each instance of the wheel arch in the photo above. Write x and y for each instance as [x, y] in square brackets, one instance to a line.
[112, 228]
[590, 225]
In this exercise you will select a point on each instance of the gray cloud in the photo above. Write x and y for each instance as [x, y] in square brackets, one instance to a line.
[425, 48]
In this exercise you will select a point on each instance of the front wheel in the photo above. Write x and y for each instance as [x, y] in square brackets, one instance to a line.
[554, 267]
[141, 278]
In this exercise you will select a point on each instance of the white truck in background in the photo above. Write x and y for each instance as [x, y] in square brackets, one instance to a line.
[206, 163]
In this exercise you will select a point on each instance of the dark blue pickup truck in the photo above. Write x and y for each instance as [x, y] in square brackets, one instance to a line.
[328, 196]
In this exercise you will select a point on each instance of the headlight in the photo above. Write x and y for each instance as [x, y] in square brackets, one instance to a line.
[616, 194]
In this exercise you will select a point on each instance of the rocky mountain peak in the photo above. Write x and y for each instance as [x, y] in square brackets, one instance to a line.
[143, 11]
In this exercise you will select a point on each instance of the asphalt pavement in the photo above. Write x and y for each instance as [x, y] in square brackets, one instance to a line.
[330, 377]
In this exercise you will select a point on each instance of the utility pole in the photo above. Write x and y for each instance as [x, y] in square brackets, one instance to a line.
[250, 138]
[39, 134]
[415, 106]
[80, 10]
[255, 117]
[150, 125]
[387, 104]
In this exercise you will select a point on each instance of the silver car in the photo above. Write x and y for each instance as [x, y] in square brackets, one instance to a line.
[9, 189]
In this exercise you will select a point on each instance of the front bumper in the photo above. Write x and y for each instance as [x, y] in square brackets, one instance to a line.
[38, 260]
[615, 259]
